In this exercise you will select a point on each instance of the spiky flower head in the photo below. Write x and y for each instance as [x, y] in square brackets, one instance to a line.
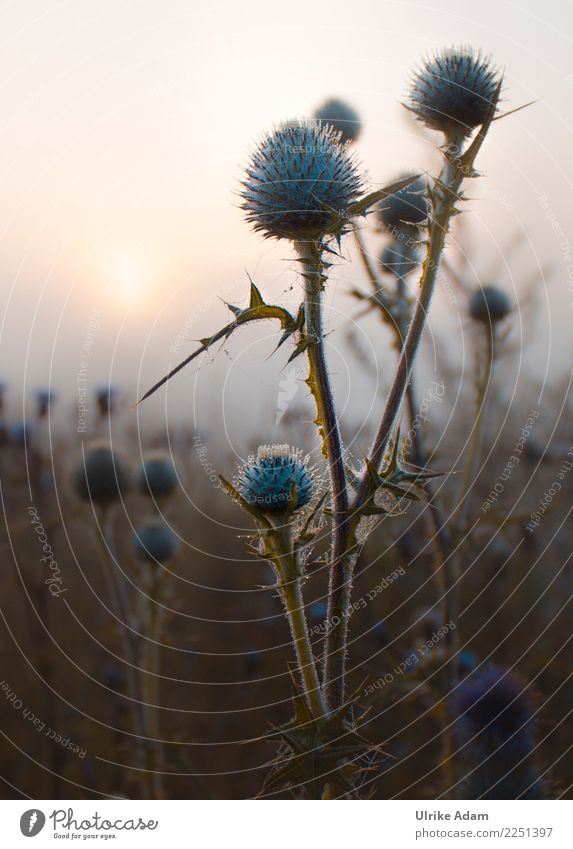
[453, 91]
[157, 475]
[495, 704]
[494, 713]
[154, 542]
[489, 305]
[276, 479]
[102, 474]
[300, 182]
[342, 117]
[409, 206]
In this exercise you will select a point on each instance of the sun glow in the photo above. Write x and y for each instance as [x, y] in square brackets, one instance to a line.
[129, 278]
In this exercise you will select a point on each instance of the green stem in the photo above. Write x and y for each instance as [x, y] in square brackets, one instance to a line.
[310, 254]
[286, 562]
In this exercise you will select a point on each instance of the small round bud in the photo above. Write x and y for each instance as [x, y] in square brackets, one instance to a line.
[489, 305]
[276, 479]
[154, 542]
[300, 180]
[101, 475]
[453, 91]
[394, 262]
[408, 206]
[157, 476]
[342, 117]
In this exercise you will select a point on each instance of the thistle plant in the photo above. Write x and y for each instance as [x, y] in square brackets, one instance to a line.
[303, 186]
[496, 729]
[273, 485]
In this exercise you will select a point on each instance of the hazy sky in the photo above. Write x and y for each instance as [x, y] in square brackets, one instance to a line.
[125, 124]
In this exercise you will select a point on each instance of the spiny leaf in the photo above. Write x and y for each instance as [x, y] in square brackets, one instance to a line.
[256, 299]
[253, 313]
[236, 496]
[364, 204]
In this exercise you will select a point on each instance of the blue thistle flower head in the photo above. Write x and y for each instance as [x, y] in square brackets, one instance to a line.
[300, 182]
[489, 305]
[394, 262]
[157, 475]
[154, 542]
[497, 706]
[408, 206]
[453, 91]
[495, 726]
[342, 117]
[276, 479]
[102, 475]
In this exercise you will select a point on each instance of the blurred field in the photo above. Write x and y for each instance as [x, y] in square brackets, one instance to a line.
[225, 655]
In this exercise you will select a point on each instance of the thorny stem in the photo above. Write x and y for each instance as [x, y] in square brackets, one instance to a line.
[445, 193]
[287, 565]
[310, 254]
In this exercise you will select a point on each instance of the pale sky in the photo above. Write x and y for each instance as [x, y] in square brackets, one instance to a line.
[124, 127]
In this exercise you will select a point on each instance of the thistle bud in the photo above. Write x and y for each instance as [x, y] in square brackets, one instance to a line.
[489, 305]
[154, 542]
[495, 724]
[157, 475]
[276, 479]
[342, 117]
[408, 206]
[102, 475]
[453, 91]
[300, 182]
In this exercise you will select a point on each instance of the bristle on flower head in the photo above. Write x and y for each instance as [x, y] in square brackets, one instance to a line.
[342, 117]
[300, 182]
[453, 91]
[276, 478]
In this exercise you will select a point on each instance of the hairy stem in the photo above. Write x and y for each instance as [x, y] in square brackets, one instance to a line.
[310, 254]
[287, 566]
